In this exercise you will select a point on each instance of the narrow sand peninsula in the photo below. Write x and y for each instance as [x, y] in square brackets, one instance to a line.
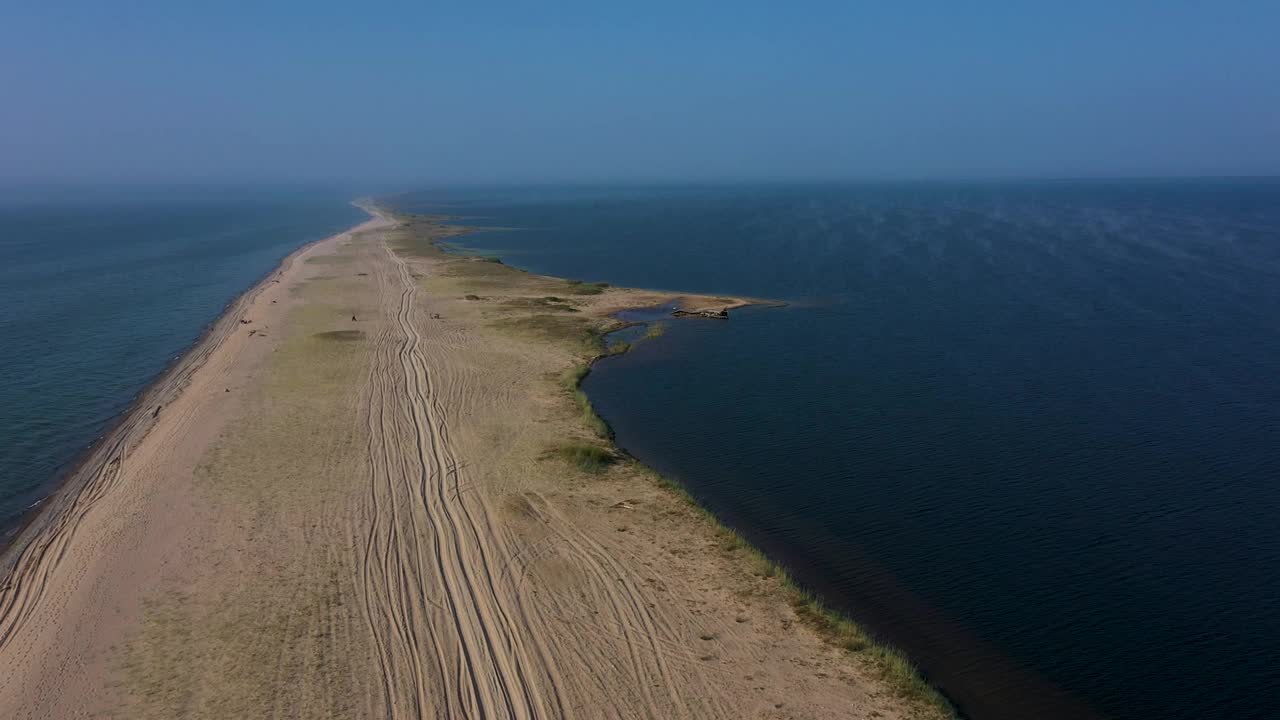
[371, 492]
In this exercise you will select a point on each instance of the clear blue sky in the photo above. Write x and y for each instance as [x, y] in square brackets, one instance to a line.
[423, 91]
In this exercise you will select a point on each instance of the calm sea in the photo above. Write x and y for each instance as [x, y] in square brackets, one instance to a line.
[101, 289]
[1030, 433]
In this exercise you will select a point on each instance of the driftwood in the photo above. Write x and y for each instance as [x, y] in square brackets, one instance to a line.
[715, 314]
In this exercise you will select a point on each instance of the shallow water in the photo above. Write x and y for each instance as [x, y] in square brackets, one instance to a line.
[1027, 432]
[102, 289]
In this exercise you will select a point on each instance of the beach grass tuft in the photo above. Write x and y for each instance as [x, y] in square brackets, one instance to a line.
[587, 458]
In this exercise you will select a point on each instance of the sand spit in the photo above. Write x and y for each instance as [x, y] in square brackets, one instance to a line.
[371, 492]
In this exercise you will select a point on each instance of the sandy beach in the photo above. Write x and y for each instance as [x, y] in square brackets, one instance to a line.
[372, 491]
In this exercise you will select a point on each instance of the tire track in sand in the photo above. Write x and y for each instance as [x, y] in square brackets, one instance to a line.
[455, 634]
[446, 642]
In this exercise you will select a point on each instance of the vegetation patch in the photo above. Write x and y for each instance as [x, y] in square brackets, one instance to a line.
[587, 458]
[571, 381]
[407, 242]
[422, 235]
[468, 267]
[484, 272]
[341, 335]
[578, 333]
[577, 287]
[553, 304]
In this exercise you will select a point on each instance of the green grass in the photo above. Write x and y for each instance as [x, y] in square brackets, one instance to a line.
[587, 458]
[416, 238]
[656, 330]
[577, 287]
[578, 333]
[477, 270]
[571, 381]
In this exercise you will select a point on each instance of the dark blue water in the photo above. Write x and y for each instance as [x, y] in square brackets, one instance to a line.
[100, 290]
[1030, 433]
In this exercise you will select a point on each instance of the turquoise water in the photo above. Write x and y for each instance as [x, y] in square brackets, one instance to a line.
[1028, 432]
[100, 290]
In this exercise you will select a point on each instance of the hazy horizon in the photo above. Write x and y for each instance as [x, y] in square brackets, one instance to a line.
[402, 97]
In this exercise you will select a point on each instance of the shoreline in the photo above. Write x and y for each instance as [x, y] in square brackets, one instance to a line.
[77, 574]
[134, 413]
[903, 642]
[837, 626]
[280, 514]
